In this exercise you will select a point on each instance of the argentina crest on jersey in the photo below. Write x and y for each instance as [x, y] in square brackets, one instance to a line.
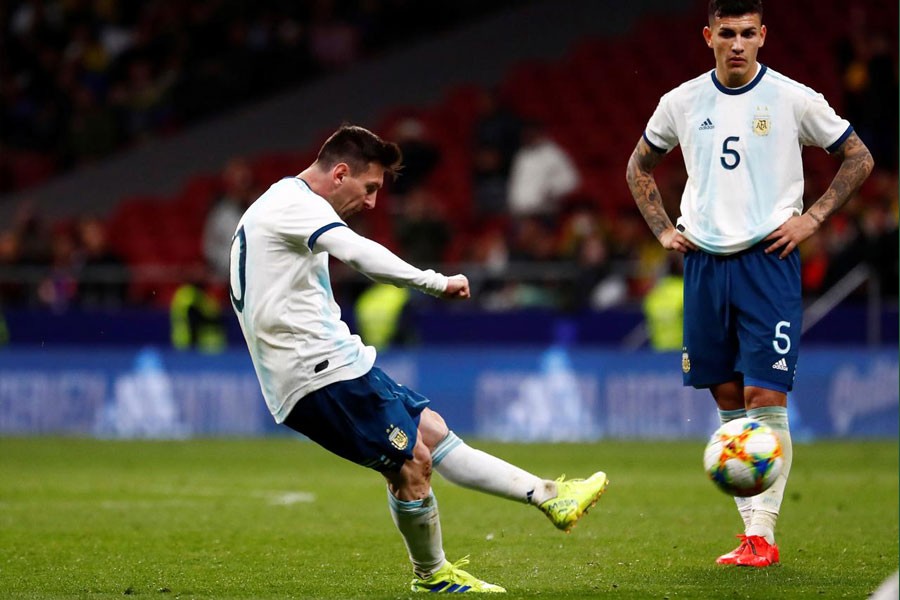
[761, 121]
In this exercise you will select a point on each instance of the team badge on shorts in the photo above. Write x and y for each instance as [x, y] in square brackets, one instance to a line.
[685, 361]
[398, 438]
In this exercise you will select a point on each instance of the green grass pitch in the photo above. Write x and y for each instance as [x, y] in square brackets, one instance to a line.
[281, 518]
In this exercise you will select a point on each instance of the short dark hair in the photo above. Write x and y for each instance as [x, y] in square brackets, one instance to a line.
[734, 8]
[357, 146]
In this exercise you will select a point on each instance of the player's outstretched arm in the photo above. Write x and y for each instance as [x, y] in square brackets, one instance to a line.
[642, 184]
[856, 164]
[378, 263]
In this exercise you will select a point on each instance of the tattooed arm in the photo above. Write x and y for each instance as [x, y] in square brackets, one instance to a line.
[646, 194]
[856, 164]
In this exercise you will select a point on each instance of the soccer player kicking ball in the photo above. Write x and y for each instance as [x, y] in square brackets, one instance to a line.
[320, 380]
[742, 127]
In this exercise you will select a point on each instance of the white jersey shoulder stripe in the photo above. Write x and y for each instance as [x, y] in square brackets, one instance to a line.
[315, 236]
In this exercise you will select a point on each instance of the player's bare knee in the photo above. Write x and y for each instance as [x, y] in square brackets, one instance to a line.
[413, 480]
[729, 395]
[432, 428]
[758, 397]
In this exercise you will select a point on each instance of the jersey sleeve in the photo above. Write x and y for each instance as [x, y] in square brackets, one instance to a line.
[821, 126]
[661, 133]
[377, 262]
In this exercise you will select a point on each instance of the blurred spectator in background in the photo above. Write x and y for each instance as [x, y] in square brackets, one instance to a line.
[239, 192]
[583, 241]
[381, 316]
[421, 224]
[814, 265]
[865, 57]
[143, 99]
[92, 129]
[58, 288]
[196, 315]
[4, 329]
[26, 250]
[533, 251]
[870, 237]
[636, 251]
[420, 155]
[333, 41]
[102, 274]
[495, 139]
[13, 290]
[542, 175]
[421, 227]
[34, 240]
[664, 307]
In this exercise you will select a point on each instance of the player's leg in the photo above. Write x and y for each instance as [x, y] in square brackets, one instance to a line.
[770, 308]
[729, 398]
[414, 510]
[711, 348]
[468, 467]
[730, 401]
[373, 422]
[411, 500]
[564, 502]
[769, 407]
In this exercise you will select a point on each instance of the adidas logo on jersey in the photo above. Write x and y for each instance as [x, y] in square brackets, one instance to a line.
[780, 365]
[707, 124]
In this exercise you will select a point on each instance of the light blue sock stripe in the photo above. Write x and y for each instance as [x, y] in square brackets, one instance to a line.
[730, 415]
[444, 447]
[775, 417]
[412, 507]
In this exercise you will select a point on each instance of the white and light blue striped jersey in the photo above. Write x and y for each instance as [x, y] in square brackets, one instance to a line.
[281, 292]
[742, 151]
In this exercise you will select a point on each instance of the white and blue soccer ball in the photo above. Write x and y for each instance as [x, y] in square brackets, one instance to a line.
[743, 457]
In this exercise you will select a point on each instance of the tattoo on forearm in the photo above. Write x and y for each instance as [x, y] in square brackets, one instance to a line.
[856, 164]
[644, 190]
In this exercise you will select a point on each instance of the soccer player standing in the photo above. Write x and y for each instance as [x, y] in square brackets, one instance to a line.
[320, 380]
[741, 128]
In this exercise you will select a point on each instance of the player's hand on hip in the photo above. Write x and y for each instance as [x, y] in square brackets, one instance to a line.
[672, 239]
[791, 234]
[457, 287]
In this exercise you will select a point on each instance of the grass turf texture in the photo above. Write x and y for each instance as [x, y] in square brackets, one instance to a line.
[281, 518]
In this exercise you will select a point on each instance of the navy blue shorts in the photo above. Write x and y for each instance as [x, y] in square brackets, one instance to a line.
[742, 318]
[371, 420]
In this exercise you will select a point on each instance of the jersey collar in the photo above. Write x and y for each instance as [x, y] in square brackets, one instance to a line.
[744, 88]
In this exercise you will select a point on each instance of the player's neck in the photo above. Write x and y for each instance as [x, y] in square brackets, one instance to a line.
[312, 176]
[738, 81]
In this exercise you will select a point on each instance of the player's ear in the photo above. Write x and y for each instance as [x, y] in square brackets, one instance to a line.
[762, 36]
[707, 35]
[339, 172]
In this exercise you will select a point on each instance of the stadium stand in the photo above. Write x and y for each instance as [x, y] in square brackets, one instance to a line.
[594, 100]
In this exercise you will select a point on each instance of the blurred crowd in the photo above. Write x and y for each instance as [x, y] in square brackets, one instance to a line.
[557, 250]
[81, 78]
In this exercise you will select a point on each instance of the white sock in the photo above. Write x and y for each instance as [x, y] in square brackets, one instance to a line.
[767, 505]
[744, 505]
[420, 526]
[463, 465]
